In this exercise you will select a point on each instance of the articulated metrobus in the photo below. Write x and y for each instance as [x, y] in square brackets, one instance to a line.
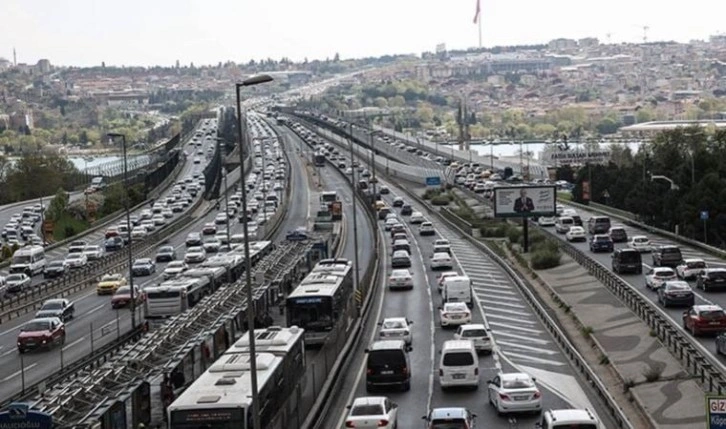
[221, 398]
[322, 300]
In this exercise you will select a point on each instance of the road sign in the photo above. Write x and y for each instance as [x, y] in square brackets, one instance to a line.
[19, 415]
[716, 412]
[433, 181]
[704, 215]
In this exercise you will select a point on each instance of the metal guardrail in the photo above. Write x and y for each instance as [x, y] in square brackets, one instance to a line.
[651, 229]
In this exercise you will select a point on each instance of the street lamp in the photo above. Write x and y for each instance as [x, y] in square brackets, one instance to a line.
[132, 302]
[254, 80]
[226, 207]
[355, 219]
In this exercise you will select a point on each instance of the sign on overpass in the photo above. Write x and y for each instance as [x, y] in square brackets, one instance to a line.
[20, 416]
[716, 412]
[433, 181]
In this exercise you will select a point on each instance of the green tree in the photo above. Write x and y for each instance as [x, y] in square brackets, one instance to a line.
[380, 102]
[57, 205]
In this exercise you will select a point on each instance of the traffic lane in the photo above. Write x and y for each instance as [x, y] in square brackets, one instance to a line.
[415, 305]
[296, 212]
[637, 281]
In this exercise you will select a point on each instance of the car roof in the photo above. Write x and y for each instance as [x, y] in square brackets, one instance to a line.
[455, 304]
[369, 400]
[396, 319]
[448, 412]
[514, 376]
[54, 300]
[473, 326]
[705, 307]
[687, 260]
[387, 345]
[662, 269]
[44, 319]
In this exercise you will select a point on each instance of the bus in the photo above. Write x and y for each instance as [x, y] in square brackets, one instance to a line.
[319, 158]
[329, 202]
[221, 398]
[323, 299]
[29, 260]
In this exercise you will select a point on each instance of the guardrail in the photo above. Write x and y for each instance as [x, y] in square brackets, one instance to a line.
[653, 230]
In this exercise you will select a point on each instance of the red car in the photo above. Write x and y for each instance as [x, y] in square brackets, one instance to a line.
[112, 232]
[123, 295]
[39, 333]
[702, 319]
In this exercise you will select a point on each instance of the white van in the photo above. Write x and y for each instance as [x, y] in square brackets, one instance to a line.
[459, 364]
[568, 419]
[458, 289]
[29, 260]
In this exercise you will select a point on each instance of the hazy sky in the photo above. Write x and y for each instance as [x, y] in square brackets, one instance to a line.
[149, 32]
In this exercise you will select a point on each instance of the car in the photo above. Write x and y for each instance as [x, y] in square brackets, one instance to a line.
[17, 282]
[397, 228]
[109, 283]
[514, 392]
[655, 278]
[546, 221]
[372, 412]
[195, 254]
[174, 268]
[618, 234]
[122, 296]
[143, 267]
[400, 259]
[454, 313]
[209, 228]
[139, 233]
[76, 260]
[396, 328]
[406, 210]
[563, 224]
[158, 220]
[77, 246]
[41, 333]
[441, 261]
[212, 244]
[711, 278]
[478, 334]
[691, 268]
[114, 243]
[61, 308]
[704, 319]
[397, 202]
[165, 254]
[451, 418]
[193, 239]
[426, 228]
[221, 219]
[441, 242]
[299, 234]
[390, 222]
[93, 252]
[576, 233]
[601, 243]
[443, 276]
[417, 218]
[111, 231]
[641, 243]
[55, 269]
[676, 292]
[667, 256]
[400, 279]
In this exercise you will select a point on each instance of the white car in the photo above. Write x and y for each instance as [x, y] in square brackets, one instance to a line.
[514, 392]
[546, 221]
[640, 243]
[372, 412]
[417, 217]
[442, 278]
[655, 278]
[396, 328]
[220, 219]
[441, 260]
[212, 244]
[441, 242]
[195, 254]
[454, 313]
[159, 220]
[76, 260]
[174, 268]
[400, 278]
[476, 333]
[576, 233]
[691, 268]
[426, 228]
[93, 252]
[563, 224]
[389, 223]
[139, 233]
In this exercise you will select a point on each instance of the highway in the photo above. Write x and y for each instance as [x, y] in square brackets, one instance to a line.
[522, 343]
[95, 323]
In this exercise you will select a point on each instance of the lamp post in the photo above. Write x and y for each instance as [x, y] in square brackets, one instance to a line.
[355, 219]
[132, 302]
[254, 80]
[226, 207]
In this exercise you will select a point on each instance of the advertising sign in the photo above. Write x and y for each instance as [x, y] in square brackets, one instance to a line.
[20, 416]
[579, 156]
[525, 201]
[716, 412]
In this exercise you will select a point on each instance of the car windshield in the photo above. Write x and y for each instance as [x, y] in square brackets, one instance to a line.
[367, 410]
[696, 264]
[36, 325]
[54, 305]
[15, 277]
[664, 273]
[55, 264]
[518, 383]
[474, 333]
[455, 307]
[394, 324]
[166, 250]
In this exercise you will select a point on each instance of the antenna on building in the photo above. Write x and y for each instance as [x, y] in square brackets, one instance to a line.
[15, 58]
[645, 33]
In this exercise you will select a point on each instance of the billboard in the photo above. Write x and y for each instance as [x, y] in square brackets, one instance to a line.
[525, 201]
[579, 156]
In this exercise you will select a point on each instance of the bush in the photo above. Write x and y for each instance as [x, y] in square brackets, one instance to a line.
[514, 235]
[440, 200]
[431, 193]
[535, 237]
[543, 259]
[545, 246]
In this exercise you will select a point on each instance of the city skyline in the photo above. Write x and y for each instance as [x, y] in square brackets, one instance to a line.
[162, 32]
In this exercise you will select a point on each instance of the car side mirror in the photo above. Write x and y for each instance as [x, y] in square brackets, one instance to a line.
[410, 322]
[409, 348]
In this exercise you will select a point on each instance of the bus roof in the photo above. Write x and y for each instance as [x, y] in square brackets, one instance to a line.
[276, 340]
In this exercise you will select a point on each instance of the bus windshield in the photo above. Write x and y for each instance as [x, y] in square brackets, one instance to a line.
[310, 313]
[211, 418]
[159, 294]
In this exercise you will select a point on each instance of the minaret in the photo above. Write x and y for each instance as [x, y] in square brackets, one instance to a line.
[15, 58]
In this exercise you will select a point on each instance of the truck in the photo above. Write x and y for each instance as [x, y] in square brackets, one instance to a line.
[97, 184]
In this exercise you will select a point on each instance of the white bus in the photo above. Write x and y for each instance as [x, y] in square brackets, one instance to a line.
[29, 260]
[221, 398]
[322, 300]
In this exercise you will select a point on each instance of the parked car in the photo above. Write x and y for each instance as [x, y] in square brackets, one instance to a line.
[59, 307]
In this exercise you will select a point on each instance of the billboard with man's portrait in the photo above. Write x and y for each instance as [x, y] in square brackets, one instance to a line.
[525, 201]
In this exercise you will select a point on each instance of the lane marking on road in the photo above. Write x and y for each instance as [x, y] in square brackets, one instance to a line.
[17, 373]
[8, 352]
[66, 347]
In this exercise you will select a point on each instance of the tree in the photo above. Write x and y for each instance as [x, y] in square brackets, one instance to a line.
[57, 205]
[380, 102]
[425, 113]
[608, 126]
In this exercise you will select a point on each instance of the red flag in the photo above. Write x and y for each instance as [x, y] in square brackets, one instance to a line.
[478, 10]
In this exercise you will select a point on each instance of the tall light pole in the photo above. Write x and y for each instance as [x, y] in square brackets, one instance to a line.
[254, 80]
[226, 207]
[355, 218]
[132, 302]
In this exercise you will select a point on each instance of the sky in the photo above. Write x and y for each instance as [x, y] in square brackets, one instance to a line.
[159, 32]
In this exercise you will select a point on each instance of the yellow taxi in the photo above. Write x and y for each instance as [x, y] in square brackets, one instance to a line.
[109, 283]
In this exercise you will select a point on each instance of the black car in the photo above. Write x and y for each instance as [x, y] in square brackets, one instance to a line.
[60, 308]
[388, 365]
[55, 269]
[406, 210]
[711, 278]
[627, 261]
[114, 243]
[398, 202]
[601, 243]
[676, 293]
[165, 254]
